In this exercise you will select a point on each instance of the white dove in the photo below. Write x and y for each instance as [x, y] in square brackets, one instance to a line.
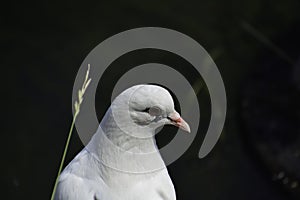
[122, 161]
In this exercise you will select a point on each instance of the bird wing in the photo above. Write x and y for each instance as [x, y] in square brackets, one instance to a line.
[79, 181]
[73, 187]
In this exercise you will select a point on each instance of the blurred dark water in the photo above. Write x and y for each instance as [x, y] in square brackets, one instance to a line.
[255, 44]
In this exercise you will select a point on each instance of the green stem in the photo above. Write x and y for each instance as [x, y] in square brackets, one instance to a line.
[64, 155]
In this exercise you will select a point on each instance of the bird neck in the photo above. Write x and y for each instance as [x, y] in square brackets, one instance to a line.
[120, 151]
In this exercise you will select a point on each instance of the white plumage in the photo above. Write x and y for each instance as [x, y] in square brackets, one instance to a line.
[122, 162]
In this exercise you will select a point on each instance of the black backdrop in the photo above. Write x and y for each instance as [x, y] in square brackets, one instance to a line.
[255, 44]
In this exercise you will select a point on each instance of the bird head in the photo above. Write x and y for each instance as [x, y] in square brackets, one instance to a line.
[144, 108]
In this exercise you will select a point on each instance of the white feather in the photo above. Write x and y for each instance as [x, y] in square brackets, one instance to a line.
[121, 162]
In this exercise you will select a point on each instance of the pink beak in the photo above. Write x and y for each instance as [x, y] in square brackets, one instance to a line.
[176, 120]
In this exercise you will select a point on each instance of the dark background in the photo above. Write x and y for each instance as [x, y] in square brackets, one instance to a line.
[255, 45]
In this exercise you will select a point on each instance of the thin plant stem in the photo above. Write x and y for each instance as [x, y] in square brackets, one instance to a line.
[77, 105]
[63, 157]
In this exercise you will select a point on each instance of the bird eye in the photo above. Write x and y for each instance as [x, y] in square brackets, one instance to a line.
[154, 111]
[146, 110]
